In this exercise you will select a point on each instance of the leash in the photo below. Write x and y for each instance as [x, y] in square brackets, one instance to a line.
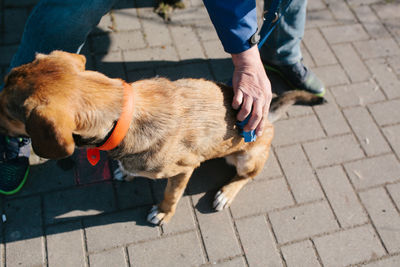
[271, 19]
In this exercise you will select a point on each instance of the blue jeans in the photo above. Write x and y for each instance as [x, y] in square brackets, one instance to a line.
[65, 24]
[283, 45]
[59, 24]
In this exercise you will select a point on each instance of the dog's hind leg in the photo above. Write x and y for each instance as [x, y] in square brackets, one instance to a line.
[173, 192]
[248, 165]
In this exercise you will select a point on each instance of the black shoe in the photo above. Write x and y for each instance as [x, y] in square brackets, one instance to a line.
[14, 165]
[298, 77]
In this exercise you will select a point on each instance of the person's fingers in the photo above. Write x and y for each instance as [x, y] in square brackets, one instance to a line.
[261, 126]
[237, 99]
[245, 109]
[256, 116]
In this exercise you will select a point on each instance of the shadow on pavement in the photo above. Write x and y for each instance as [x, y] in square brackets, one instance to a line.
[52, 196]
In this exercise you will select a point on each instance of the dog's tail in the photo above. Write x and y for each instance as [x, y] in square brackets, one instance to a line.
[281, 103]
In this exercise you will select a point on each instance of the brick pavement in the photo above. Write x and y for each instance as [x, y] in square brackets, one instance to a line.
[329, 195]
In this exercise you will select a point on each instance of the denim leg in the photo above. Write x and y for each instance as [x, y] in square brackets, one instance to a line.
[53, 24]
[59, 24]
[283, 45]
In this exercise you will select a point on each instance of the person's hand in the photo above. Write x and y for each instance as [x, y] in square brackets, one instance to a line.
[252, 89]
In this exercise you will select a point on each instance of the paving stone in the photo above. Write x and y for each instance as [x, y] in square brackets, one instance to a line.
[65, 245]
[217, 231]
[307, 59]
[133, 194]
[371, 22]
[318, 48]
[126, 19]
[373, 171]
[78, 202]
[393, 135]
[385, 77]
[377, 48]
[150, 58]
[193, 70]
[393, 261]
[258, 242]
[183, 219]
[384, 216]
[31, 249]
[331, 75]
[23, 232]
[394, 190]
[300, 254]
[315, 5]
[271, 168]
[24, 219]
[341, 196]
[349, 247]
[178, 250]
[137, 75]
[387, 10]
[334, 150]
[331, 117]
[341, 11]
[222, 69]
[299, 111]
[155, 30]
[299, 174]
[297, 130]
[112, 230]
[111, 65]
[386, 112]
[214, 50]
[46, 177]
[395, 63]
[260, 197]
[187, 43]
[357, 94]
[105, 25]
[236, 262]
[320, 18]
[351, 62]
[193, 16]
[114, 257]
[366, 131]
[344, 33]
[302, 222]
[207, 32]
[117, 41]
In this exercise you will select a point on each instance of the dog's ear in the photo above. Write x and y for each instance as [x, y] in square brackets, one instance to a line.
[51, 132]
[77, 60]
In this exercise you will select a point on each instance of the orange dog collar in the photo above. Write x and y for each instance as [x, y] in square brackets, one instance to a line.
[120, 130]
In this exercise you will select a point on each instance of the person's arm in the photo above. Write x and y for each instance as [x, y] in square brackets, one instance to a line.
[236, 22]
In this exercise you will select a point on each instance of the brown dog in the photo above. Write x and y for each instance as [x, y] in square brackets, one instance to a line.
[174, 127]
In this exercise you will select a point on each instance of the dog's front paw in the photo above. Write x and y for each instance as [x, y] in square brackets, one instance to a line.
[221, 201]
[158, 217]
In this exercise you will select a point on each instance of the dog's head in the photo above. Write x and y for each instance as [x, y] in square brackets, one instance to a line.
[41, 100]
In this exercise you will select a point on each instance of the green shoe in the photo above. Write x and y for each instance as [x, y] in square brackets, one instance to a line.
[13, 175]
[14, 164]
[298, 77]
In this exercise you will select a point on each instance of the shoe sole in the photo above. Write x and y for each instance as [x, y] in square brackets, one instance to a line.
[289, 83]
[16, 190]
